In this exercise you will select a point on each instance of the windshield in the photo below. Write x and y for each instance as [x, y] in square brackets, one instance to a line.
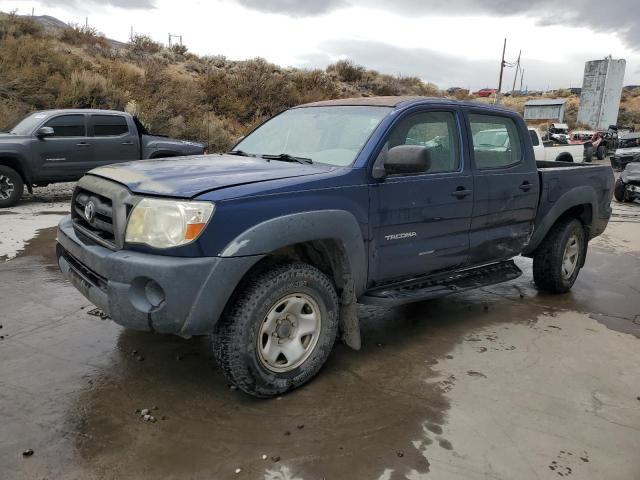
[28, 124]
[331, 135]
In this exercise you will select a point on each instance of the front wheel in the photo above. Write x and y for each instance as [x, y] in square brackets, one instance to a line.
[279, 330]
[601, 152]
[558, 260]
[11, 186]
[619, 191]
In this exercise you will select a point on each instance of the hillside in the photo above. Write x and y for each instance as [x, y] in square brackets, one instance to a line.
[174, 92]
[47, 64]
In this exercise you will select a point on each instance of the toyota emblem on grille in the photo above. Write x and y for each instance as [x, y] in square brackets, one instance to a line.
[90, 211]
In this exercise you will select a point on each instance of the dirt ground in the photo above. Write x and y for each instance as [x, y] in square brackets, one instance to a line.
[499, 383]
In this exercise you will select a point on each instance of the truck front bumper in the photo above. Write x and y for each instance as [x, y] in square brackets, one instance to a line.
[183, 296]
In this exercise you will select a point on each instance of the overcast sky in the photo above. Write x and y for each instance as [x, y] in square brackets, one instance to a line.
[447, 42]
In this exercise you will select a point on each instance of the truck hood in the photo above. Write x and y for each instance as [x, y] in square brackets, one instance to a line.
[187, 177]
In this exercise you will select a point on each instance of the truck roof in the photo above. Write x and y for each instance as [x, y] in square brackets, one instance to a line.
[397, 101]
[80, 110]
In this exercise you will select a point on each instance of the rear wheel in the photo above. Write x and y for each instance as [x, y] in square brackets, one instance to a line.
[619, 191]
[279, 330]
[601, 152]
[11, 186]
[558, 260]
[564, 157]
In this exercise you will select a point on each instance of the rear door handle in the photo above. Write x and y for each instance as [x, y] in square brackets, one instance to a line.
[526, 186]
[82, 144]
[460, 192]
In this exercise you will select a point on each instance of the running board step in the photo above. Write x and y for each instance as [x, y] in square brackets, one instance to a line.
[439, 285]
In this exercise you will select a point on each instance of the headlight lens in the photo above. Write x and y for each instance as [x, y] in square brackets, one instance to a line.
[167, 223]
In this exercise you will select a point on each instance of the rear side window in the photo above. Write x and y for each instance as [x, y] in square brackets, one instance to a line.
[108, 125]
[534, 138]
[437, 131]
[496, 141]
[67, 126]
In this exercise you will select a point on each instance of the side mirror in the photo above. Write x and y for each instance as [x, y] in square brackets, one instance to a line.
[43, 132]
[407, 159]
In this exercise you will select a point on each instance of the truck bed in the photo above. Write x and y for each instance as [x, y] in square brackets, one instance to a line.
[561, 182]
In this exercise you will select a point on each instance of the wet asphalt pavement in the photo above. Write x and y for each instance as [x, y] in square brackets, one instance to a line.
[499, 383]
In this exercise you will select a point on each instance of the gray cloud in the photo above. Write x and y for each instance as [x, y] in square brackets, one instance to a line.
[294, 8]
[441, 69]
[618, 16]
[125, 4]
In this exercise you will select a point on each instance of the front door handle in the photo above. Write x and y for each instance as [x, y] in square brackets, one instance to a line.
[127, 143]
[460, 192]
[526, 186]
[82, 144]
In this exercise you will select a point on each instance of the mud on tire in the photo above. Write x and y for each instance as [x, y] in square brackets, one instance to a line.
[548, 273]
[236, 339]
[11, 186]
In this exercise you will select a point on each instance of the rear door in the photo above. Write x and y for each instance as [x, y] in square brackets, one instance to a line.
[506, 187]
[62, 155]
[113, 138]
[420, 222]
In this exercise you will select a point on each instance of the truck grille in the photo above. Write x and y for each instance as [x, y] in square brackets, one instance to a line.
[100, 209]
[97, 219]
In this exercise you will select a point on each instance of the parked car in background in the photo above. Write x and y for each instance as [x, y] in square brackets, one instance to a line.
[485, 92]
[269, 248]
[549, 150]
[627, 186]
[62, 145]
[625, 156]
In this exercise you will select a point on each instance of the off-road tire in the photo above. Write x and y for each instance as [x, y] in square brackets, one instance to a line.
[235, 337]
[619, 191]
[601, 152]
[18, 186]
[548, 257]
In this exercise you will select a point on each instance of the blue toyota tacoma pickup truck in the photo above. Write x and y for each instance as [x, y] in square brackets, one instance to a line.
[269, 248]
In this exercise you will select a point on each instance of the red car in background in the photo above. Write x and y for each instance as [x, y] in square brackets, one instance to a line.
[485, 92]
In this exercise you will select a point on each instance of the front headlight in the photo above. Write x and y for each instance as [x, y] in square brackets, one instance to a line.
[167, 223]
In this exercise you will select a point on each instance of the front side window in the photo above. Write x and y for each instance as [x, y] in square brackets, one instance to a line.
[333, 135]
[496, 141]
[437, 131]
[108, 125]
[67, 126]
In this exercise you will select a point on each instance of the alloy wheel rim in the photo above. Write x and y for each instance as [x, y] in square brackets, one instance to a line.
[6, 187]
[289, 333]
[570, 256]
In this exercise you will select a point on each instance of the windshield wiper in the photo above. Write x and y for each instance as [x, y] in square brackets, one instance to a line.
[241, 153]
[285, 157]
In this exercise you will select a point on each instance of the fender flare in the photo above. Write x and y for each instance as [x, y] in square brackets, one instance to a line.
[578, 196]
[19, 164]
[291, 229]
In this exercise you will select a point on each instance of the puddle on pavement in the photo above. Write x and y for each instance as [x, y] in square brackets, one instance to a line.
[42, 244]
[360, 415]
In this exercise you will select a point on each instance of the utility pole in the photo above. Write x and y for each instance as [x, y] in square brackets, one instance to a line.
[504, 49]
[172, 36]
[521, 78]
[86, 22]
[131, 34]
[515, 77]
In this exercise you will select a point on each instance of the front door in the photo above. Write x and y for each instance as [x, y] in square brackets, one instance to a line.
[506, 188]
[420, 222]
[61, 156]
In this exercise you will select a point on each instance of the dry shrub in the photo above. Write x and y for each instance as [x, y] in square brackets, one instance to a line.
[13, 25]
[86, 89]
[78, 35]
[347, 71]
